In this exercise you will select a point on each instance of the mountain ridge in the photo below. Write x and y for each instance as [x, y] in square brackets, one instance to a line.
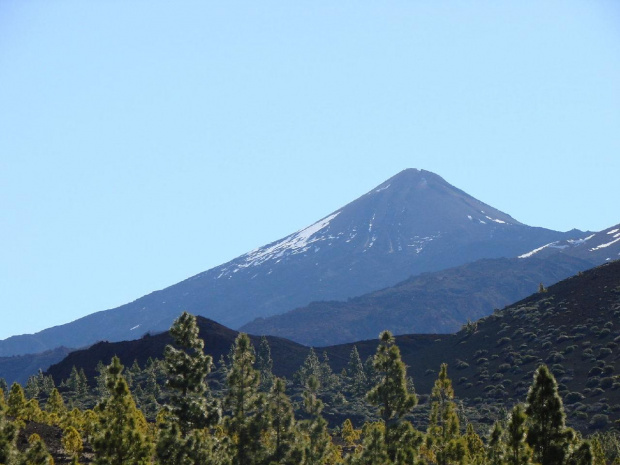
[414, 222]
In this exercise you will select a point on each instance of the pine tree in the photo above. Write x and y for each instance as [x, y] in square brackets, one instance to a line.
[283, 426]
[582, 454]
[350, 435]
[33, 388]
[327, 379]
[390, 394]
[16, 402]
[101, 387]
[373, 451]
[8, 434]
[547, 433]
[476, 452]
[188, 409]
[310, 367]
[4, 387]
[120, 437]
[518, 451]
[318, 441]
[356, 377]
[249, 419]
[264, 365]
[55, 407]
[443, 435]
[36, 454]
[187, 368]
[496, 451]
[72, 442]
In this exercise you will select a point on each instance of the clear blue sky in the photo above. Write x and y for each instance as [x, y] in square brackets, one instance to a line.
[142, 142]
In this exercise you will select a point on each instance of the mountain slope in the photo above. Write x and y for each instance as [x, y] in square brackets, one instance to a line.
[414, 222]
[439, 302]
[573, 327]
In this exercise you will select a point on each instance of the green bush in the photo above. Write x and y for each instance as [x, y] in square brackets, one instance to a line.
[573, 397]
[599, 421]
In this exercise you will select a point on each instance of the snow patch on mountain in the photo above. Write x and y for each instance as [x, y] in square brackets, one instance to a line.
[602, 246]
[535, 251]
[580, 241]
[296, 243]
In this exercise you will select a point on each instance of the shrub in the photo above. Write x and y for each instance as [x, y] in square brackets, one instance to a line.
[603, 352]
[557, 370]
[593, 382]
[555, 357]
[547, 345]
[604, 332]
[503, 341]
[596, 371]
[573, 397]
[461, 365]
[503, 368]
[606, 383]
[599, 421]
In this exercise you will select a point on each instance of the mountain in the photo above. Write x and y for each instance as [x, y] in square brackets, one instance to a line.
[438, 302]
[597, 247]
[412, 223]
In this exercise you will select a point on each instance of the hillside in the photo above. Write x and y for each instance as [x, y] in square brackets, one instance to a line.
[439, 302]
[412, 223]
[574, 327]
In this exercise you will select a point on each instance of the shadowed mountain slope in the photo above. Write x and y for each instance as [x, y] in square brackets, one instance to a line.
[439, 302]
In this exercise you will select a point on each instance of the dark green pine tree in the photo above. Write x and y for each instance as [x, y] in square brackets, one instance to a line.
[284, 430]
[582, 454]
[32, 388]
[264, 365]
[101, 388]
[318, 441]
[496, 450]
[390, 394]
[373, 449]
[443, 436]
[547, 433]
[120, 438]
[356, 377]
[310, 367]
[188, 410]
[187, 368]
[518, 452]
[249, 420]
[8, 434]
